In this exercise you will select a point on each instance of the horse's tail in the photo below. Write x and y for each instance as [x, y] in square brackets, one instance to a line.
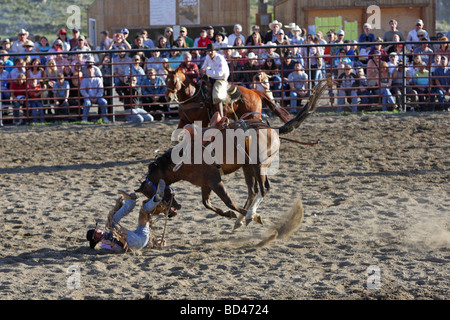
[309, 108]
[278, 110]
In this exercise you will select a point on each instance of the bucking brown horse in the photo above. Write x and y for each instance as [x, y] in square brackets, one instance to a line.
[254, 153]
[195, 103]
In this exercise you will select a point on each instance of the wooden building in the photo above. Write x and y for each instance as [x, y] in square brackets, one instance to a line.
[350, 15]
[155, 15]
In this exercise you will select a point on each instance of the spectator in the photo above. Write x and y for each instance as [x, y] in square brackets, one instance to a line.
[392, 47]
[168, 34]
[19, 67]
[153, 95]
[29, 53]
[4, 82]
[397, 85]
[296, 55]
[237, 33]
[271, 35]
[373, 69]
[19, 89]
[366, 36]
[340, 40]
[421, 82]
[424, 51]
[444, 48]
[378, 46]
[388, 35]
[296, 37]
[340, 61]
[57, 47]
[260, 82]
[203, 40]
[163, 44]
[385, 83]
[331, 38]
[271, 69]
[119, 43]
[106, 70]
[83, 47]
[147, 41]
[251, 68]
[9, 65]
[236, 69]
[106, 40]
[125, 33]
[136, 70]
[184, 34]
[65, 43]
[220, 40]
[393, 62]
[91, 89]
[43, 46]
[282, 40]
[441, 78]
[210, 33]
[270, 52]
[155, 62]
[255, 29]
[91, 62]
[180, 43]
[135, 113]
[139, 44]
[61, 62]
[286, 68]
[413, 35]
[74, 78]
[190, 68]
[290, 30]
[79, 59]
[34, 100]
[436, 63]
[175, 58]
[74, 41]
[121, 65]
[298, 83]
[6, 45]
[347, 84]
[362, 91]
[35, 70]
[17, 46]
[257, 42]
[61, 93]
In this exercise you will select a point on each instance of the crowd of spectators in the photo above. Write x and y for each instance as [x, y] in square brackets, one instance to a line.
[69, 78]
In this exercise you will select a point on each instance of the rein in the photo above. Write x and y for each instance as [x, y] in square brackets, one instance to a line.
[299, 142]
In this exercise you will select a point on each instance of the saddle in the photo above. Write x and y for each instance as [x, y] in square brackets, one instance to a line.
[217, 122]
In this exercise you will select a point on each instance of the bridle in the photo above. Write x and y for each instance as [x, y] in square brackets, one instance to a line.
[178, 85]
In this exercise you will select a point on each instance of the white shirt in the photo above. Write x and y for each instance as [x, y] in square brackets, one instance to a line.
[216, 68]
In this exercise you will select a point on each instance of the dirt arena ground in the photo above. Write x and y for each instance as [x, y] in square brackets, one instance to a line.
[376, 222]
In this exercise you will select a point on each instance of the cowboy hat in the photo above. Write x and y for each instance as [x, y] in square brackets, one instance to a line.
[235, 54]
[28, 43]
[23, 31]
[290, 25]
[252, 56]
[275, 22]
[211, 47]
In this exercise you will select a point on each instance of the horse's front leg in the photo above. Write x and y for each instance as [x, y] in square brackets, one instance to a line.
[206, 194]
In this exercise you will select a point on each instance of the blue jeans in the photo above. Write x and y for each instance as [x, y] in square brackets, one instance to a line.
[36, 107]
[139, 115]
[87, 105]
[296, 100]
[341, 101]
[386, 97]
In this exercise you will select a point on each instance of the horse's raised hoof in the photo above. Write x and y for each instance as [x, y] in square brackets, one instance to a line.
[237, 224]
[254, 217]
[231, 214]
[128, 195]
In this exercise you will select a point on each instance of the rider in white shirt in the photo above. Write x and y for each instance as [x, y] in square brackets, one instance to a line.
[216, 68]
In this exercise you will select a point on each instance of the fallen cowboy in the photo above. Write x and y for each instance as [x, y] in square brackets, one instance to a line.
[119, 239]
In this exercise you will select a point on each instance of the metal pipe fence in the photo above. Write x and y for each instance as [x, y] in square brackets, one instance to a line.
[362, 81]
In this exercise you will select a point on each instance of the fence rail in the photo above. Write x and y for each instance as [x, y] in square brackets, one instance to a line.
[360, 83]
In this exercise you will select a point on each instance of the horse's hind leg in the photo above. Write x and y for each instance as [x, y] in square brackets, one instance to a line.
[220, 190]
[252, 188]
[206, 194]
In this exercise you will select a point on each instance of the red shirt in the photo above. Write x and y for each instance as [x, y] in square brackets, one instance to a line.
[19, 90]
[202, 43]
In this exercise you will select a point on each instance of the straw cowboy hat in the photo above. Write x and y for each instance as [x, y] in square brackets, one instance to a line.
[235, 54]
[252, 56]
[28, 43]
[275, 22]
[290, 25]
[23, 31]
